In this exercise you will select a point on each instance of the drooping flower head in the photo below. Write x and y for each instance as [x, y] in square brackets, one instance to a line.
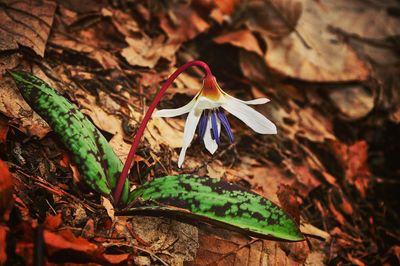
[207, 113]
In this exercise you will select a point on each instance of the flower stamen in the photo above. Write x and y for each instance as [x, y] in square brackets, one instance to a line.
[225, 123]
[214, 126]
[202, 125]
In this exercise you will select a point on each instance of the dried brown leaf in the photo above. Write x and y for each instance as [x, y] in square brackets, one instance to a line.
[275, 18]
[288, 201]
[106, 59]
[312, 52]
[221, 247]
[242, 39]
[353, 102]
[19, 111]
[173, 241]
[226, 6]
[182, 23]
[145, 51]
[26, 23]
[253, 67]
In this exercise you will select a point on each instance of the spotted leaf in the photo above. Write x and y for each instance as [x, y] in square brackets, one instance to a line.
[96, 161]
[216, 202]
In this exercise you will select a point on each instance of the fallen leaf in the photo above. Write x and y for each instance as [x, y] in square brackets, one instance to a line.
[6, 192]
[312, 52]
[19, 111]
[3, 129]
[123, 22]
[145, 51]
[53, 222]
[288, 201]
[116, 258]
[9, 61]
[65, 240]
[182, 23]
[3, 246]
[254, 67]
[108, 206]
[275, 18]
[242, 39]
[353, 102]
[363, 18]
[226, 6]
[222, 247]
[106, 59]
[306, 122]
[173, 241]
[26, 23]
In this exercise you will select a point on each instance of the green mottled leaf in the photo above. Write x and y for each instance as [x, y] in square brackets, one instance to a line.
[216, 202]
[96, 161]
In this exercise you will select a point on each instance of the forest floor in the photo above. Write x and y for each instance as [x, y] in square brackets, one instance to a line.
[330, 69]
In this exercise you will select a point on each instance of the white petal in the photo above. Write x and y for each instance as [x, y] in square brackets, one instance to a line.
[188, 134]
[255, 120]
[181, 156]
[175, 112]
[205, 103]
[255, 101]
[211, 144]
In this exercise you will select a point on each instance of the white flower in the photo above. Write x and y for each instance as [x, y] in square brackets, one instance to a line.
[206, 110]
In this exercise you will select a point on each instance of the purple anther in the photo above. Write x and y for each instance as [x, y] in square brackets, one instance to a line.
[225, 124]
[215, 127]
[202, 125]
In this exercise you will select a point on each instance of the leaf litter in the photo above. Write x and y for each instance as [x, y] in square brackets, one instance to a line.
[330, 69]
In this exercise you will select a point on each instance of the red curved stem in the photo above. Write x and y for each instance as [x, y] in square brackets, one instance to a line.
[138, 136]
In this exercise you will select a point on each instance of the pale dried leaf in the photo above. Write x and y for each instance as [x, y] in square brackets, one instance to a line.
[353, 102]
[312, 52]
[144, 51]
[173, 241]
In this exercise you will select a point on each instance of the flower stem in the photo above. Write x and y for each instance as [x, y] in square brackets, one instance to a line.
[138, 136]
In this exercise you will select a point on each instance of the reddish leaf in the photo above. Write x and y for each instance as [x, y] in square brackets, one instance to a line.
[6, 191]
[3, 130]
[3, 235]
[53, 222]
[66, 240]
